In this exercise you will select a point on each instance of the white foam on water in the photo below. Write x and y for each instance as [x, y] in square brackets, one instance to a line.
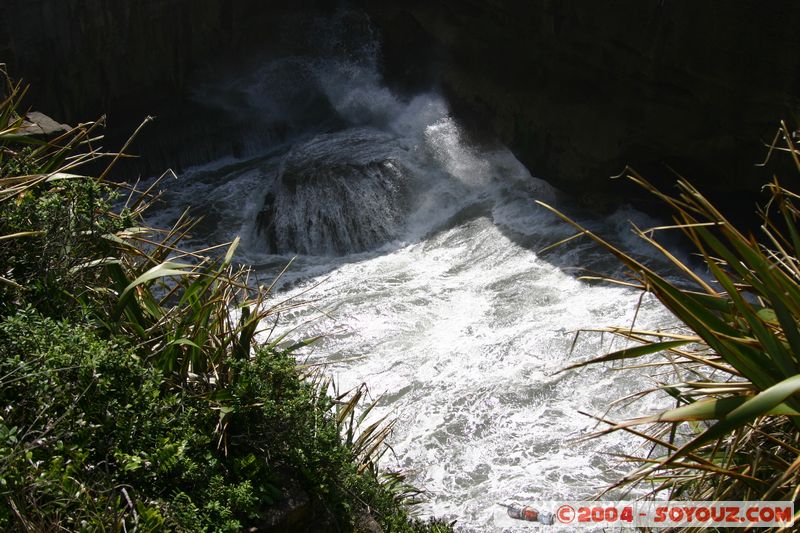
[463, 336]
[449, 314]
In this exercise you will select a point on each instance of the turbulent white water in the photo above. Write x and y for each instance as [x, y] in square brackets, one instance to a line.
[430, 289]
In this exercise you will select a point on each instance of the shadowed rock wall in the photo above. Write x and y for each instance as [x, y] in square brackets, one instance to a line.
[578, 89]
[131, 58]
[122, 57]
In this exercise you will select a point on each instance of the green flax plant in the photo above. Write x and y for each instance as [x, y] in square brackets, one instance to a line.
[67, 250]
[51, 216]
[734, 370]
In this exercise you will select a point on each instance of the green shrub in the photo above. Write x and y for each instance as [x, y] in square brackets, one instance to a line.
[73, 405]
[90, 439]
[64, 222]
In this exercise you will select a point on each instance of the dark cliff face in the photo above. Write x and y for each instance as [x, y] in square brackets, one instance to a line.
[577, 89]
[580, 89]
[125, 57]
[128, 59]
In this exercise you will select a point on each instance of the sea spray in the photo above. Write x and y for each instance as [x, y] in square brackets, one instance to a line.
[423, 251]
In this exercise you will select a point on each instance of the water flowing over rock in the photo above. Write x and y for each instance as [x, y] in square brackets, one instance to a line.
[419, 241]
[422, 244]
[335, 194]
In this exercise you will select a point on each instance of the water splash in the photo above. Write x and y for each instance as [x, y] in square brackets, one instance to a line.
[434, 293]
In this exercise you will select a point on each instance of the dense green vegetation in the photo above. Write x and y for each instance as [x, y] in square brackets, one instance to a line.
[133, 393]
[734, 370]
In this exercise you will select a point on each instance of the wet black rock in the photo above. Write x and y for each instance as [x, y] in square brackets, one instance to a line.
[336, 194]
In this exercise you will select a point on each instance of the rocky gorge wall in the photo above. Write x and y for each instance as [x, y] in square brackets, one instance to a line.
[87, 57]
[577, 89]
[128, 59]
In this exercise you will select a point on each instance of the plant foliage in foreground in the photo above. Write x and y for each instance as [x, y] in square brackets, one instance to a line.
[733, 434]
[133, 393]
[90, 440]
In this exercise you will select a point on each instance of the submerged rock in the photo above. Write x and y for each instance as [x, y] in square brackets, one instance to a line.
[335, 194]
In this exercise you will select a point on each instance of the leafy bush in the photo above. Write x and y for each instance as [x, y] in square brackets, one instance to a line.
[74, 407]
[61, 226]
[91, 440]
